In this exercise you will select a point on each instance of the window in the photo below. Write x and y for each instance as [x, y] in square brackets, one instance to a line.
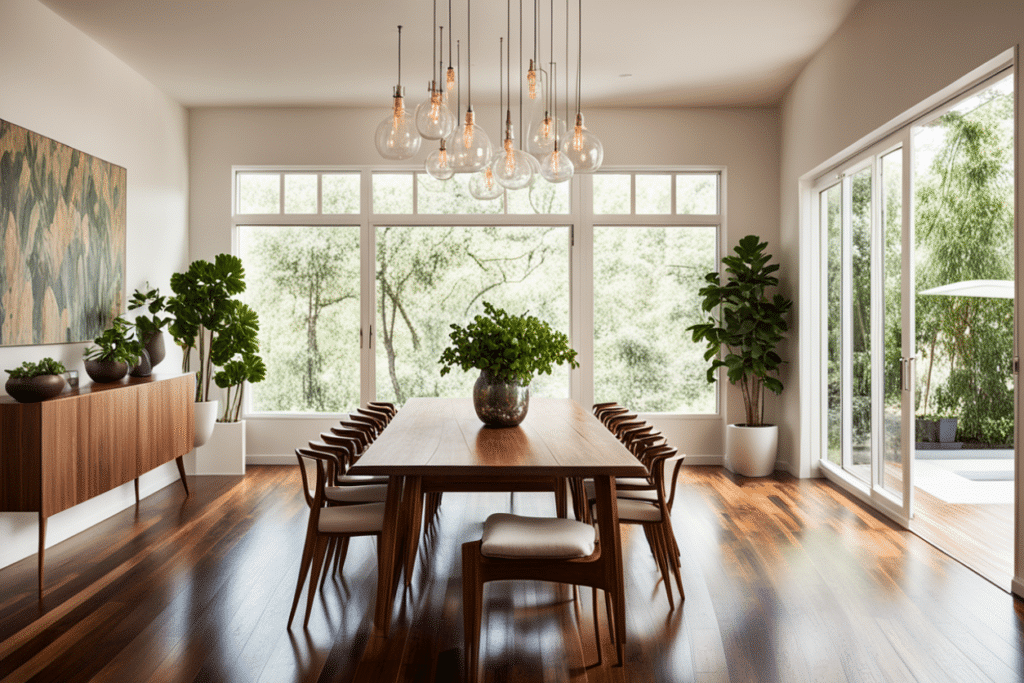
[356, 297]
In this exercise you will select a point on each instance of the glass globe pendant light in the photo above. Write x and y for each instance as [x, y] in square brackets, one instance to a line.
[396, 137]
[438, 164]
[468, 145]
[556, 167]
[450, 74]
[545, 126]
[510, 168]
[582, 146]
[484, 186]
[434, 120]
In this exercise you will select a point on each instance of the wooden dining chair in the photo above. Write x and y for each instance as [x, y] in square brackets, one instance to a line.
[515, 547]
[327, 523]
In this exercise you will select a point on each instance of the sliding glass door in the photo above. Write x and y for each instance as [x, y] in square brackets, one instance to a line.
[869, 388]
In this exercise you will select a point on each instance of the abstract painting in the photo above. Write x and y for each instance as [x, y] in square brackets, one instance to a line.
[63, 226]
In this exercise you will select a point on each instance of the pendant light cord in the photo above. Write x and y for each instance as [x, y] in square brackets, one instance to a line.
[399, 58]
[522, 131]
[567, 65]
[579, 58]
[451, 33]
[469, 59]
[434, 48]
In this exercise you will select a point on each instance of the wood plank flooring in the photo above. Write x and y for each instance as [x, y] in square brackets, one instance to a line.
[786, 580]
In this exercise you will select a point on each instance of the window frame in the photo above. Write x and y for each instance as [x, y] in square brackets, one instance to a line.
[580, 219]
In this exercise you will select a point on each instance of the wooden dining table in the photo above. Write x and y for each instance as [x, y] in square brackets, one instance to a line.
[439, 444]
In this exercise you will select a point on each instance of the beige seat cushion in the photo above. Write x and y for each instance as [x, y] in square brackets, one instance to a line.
[631, 510]
[360, 480]
[515, 536]
[356, 494]
[352, 519]
[649, 494]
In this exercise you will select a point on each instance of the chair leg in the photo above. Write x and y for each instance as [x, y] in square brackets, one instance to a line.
[332, 549]
[597, 625]
[472, 607]
[318, 560]
[307, 556]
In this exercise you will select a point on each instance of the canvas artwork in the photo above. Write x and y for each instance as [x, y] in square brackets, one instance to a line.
[63, 223]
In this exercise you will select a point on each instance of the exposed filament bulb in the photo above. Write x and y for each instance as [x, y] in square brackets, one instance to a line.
[435, 106]
[531, 78]
[468, 133]
[577, 137]
[450, 80]
[442, 156]
[555, 158]
[545, 126]
[489, 179]
[510, 157]
[397, 121]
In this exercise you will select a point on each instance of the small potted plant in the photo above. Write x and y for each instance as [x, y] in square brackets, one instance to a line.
[749, 325]
[149, 328]
[116, 349]
[508, 350]
[34, 382]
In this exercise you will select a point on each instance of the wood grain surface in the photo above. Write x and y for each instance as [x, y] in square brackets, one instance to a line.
[787, 581]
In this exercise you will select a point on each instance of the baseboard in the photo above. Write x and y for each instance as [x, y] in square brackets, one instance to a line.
[266, 459]
[1017, 587]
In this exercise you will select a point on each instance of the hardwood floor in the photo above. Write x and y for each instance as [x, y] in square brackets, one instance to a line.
[786, 580]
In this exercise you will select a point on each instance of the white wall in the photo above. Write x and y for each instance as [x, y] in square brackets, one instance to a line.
[61, 84]
[744, 140]
[886, 58]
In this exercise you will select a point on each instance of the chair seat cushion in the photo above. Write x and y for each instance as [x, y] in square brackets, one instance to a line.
[352, 519]
[516, 536]
[360, 479]
[632, 510]
[647, 494]
[375, 493]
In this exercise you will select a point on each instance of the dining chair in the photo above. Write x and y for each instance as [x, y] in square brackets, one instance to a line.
[327, 523]
[516, 547]
[645, 504]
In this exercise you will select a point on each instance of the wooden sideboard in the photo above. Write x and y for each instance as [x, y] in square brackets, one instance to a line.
[63, 451]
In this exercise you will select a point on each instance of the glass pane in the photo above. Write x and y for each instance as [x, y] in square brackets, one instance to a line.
[860, 230]
[697, 193]
[340, 193]
[892, 333]
[392, 192]
[646, 283]
[304, 284]
[431, 277]
[259, 193]
[452, 196]
[539, 198]
[832, 219]
[963, 231]
[300, 193]
[611, 193]
[653, 194]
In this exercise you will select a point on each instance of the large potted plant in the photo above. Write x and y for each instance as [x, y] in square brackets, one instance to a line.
[508, 350]
[34, 382]
[748, 323]
[116, 350]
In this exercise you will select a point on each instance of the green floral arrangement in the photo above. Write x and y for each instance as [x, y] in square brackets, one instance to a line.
[46, 366]
[513, 348]
[149, 325]
[117, 343]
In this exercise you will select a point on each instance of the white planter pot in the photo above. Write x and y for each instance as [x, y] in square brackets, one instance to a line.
[751, 451]
[206, 417]
[224, 452]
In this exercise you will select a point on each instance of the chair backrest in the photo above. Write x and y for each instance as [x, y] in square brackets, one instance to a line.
[360, 436]
[380, 420]
[372, 424]
[383, 406]
[321, 462]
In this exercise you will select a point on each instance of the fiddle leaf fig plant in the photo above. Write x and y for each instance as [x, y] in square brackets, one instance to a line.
[513, 348]
[749, 324]
[234, 351]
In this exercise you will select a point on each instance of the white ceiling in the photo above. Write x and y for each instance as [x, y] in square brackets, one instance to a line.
[343, 52]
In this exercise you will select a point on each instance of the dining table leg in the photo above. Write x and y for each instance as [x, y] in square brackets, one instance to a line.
[390, 563]
[413, 504]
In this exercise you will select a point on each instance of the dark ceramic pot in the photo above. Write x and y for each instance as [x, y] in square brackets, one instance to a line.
[155, 347]
[500, 404]
[34, 389]
[144, 367]
[104, 371]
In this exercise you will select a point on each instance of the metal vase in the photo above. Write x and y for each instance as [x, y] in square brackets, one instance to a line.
[500, 404]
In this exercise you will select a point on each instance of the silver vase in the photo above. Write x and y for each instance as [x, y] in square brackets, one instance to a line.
[500, 404]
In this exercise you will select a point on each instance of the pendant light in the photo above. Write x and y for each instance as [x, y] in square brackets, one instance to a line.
[450, 75]
[439, 163]
[556, 167]
[545, 126]
[468, 145]
[396, 137]
[510, 168]
[484, 185]
[434, 120]
[582, 146]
